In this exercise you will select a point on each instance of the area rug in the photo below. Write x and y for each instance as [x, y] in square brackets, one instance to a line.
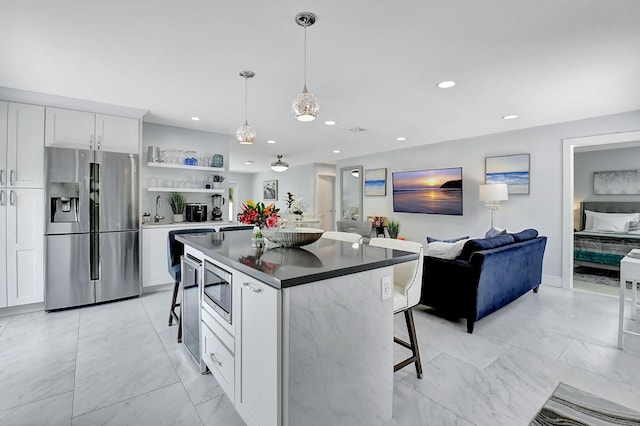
[596, 276]
[569, 406]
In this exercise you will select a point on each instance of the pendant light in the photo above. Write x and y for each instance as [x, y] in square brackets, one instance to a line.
[305, 106]
[245, 133]
[279, 166]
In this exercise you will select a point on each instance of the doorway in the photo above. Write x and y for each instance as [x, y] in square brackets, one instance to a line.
[325, 201]
[568, 172]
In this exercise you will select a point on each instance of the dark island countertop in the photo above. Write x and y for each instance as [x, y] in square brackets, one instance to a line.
[282, 267]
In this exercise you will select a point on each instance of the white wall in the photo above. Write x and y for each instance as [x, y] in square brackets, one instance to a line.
[299, 180]
[541, 209]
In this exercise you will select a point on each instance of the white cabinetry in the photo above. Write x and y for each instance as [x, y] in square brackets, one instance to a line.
[258, 366]
[21, 203]
[85, 130]
[155, 263]
[25, 254]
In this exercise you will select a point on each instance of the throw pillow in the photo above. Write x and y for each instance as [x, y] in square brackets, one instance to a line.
[472, 246]
[451, 240]
[611, 224]
[590, 216]
[445, 250]
[527, 234]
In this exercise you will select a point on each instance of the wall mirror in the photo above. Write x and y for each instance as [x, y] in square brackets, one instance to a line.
[351, 193]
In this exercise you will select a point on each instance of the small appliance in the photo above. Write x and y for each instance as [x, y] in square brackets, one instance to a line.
[216, 212]
[196, 212]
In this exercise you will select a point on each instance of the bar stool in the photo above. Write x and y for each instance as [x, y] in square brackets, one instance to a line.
[175, 249]
[407, 285]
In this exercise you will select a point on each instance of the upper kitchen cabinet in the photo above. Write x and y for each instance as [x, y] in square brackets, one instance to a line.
[21, 145]
[85, 130]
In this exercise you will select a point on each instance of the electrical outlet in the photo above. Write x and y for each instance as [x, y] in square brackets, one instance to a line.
[387, 286]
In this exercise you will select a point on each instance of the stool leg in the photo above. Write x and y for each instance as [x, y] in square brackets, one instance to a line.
[634, 298]
[172, 310]
[413, 340]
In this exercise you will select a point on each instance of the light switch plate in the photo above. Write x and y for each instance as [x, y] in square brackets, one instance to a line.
[387, 286]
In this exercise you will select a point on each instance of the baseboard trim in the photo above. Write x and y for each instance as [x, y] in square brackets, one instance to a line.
[21, 309]
[156, 288]
[552, 280]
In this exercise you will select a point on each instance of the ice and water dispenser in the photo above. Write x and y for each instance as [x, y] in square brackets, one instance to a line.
[65, 199]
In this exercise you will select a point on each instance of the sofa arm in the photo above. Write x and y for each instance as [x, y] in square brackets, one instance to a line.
[450, 286]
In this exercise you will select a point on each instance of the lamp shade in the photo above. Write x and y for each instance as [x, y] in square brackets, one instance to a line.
[494, 192]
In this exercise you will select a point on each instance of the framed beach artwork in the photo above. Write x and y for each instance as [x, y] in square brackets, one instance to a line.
[375, 182]
[270, 190]
[510, 169]
[435, 191]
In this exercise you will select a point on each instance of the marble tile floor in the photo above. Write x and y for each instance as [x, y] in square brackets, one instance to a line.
[119, 364]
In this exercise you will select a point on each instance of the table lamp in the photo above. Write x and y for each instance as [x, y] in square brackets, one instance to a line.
[492, 194]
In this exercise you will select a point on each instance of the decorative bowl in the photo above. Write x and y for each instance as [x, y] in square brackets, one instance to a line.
[292, 237]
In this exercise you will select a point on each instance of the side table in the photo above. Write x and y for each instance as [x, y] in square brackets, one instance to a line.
[629, 271]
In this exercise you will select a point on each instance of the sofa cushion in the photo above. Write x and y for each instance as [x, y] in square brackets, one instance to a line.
[445, 250]
[527, 234]
[475, 245]
[451, 240]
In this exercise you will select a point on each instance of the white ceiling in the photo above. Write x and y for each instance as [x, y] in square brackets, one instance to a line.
[371, 64]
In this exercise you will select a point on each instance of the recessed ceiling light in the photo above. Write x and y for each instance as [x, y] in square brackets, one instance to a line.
[271, 141]
[510, 116]
[330, 123]
[248, 162]
[336, 151]
[195, 118]
[446, 84]
[401, 138]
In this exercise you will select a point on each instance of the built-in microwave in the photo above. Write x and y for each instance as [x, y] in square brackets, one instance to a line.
[216, 290]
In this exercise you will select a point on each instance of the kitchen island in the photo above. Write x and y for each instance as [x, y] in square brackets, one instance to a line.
[311, 335]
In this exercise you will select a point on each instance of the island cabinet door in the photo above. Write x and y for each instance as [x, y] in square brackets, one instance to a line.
[258, 396]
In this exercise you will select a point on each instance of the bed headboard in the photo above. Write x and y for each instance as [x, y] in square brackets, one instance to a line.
[608, 207]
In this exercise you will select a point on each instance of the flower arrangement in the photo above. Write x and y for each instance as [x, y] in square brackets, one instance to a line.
[297, 207]
[289, 200]
[218, 178]
[259, 215]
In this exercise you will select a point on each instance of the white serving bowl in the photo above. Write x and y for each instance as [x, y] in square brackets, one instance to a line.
[292, 237]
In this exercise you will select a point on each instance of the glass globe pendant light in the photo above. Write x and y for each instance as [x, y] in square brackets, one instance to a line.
[246, 134]
[279, 166]
[305, 106]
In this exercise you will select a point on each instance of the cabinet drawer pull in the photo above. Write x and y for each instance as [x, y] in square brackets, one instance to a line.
[252, 288]
[99, 140]
[215, 360]
[11, 173]
[90, 141]
[12, 196]
[1, 198]
[1, 176]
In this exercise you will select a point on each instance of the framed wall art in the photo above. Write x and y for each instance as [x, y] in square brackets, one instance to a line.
[510, 169]
[375, 182]
[270, 190]
[435, 191]
[618, 182]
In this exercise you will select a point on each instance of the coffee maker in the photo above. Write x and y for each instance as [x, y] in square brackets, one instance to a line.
[217, 201]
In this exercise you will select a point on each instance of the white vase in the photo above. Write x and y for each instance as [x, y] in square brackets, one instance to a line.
[217, 185]
[177, 218]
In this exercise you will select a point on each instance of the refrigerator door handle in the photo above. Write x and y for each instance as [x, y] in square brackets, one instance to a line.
[94, 256]
[94, 197]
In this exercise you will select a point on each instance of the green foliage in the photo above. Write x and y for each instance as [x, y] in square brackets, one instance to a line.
[393, 227]
[177, 201]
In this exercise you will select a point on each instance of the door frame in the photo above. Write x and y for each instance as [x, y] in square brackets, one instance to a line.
[568, 150]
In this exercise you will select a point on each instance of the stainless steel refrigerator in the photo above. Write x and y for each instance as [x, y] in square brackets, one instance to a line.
[91, 235]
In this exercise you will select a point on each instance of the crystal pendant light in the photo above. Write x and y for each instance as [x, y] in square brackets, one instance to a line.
[279, 166]
[305, 106]
[245, 133]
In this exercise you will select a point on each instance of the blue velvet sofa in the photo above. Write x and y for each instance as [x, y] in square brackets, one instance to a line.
[488, 274]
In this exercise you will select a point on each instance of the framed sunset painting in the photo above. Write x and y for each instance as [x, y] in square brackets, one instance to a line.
[510, 169]
[435, 191]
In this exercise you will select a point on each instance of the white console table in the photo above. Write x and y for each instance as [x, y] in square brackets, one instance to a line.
[629, 271]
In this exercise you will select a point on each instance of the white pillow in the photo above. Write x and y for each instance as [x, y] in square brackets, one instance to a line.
[445, 250]
[590, 215]
[611, 224]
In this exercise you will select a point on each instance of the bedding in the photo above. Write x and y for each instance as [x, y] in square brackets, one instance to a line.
[609, 230]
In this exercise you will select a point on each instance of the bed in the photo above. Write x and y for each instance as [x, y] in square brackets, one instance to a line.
[602, 244]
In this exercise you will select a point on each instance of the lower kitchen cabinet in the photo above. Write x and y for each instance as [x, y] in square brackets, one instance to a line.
[258, 362]
[155, 269]
[22, 246]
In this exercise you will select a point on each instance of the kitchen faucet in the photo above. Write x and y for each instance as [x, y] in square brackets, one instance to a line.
[157, 218]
